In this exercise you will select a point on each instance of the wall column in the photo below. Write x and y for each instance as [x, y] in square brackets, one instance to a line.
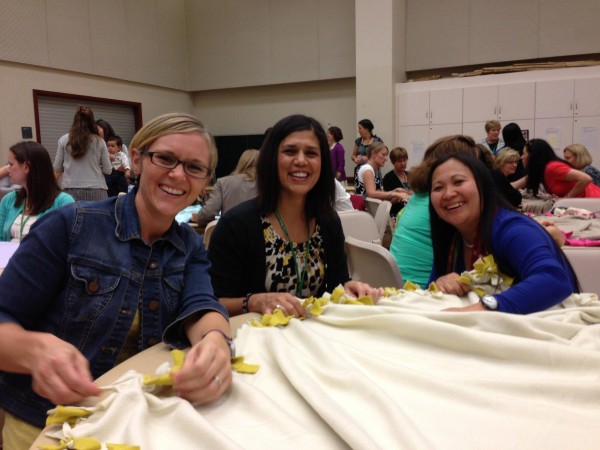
[380, 62]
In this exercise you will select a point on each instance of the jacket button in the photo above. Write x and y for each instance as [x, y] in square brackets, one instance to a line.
[154, 305]
[153, 341]
[153, 265]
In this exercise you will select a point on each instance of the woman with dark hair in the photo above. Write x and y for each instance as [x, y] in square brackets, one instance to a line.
[338, 160]
[82, 159]
[361, 145]
[29, 166]
[288, 243]
[559, 178]
[106, 131]
[411, 244]
[513, 138]
[470, 220]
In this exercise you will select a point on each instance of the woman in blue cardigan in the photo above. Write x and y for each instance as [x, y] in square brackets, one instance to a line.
[29, 166]
[469, 219]
[288, 243]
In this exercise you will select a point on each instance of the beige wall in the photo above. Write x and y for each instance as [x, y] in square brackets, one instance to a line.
[236, 43]
[17, 82]
[447, 33]
[136, 40]
[253, 110]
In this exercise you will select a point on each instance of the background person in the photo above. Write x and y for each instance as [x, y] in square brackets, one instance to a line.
[82, 159]
[231, 190]
[579, 157]
[369, 182]
[361, 144]
[557, 175]
[106, 131]
[338, 160]
[397, 178]
[513, 138]
[288, 243]
[30, 167]
[469, 220]
[121, 170]
[119, 276]
[492, 141]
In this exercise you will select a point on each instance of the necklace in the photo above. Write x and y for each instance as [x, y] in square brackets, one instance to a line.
[468, 245]
[299, 275]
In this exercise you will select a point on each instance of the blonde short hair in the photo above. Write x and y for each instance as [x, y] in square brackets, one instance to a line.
[492, 125]
[174, 123]
[375, 148]
[507, 155]
[582, 155]
[247, 164]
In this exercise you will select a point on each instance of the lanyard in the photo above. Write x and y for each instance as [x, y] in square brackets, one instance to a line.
[23, 223]
[298, 275]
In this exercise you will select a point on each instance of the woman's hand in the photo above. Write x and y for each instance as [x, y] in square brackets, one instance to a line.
[206, 371]
[60, 372]
[554, 232]
[359, 289]
[267, 302]
[449, 284]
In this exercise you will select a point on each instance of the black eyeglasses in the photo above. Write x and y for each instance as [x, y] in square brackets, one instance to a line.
[166, 161]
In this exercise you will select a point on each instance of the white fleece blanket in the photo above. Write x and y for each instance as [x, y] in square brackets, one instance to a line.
[402, 374]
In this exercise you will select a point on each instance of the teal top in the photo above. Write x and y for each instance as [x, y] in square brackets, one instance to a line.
[9, 212]
[411, 244]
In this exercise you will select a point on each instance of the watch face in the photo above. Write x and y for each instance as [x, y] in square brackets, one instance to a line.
[489, 302]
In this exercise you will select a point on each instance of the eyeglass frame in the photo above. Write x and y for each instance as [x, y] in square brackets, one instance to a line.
[178, 161]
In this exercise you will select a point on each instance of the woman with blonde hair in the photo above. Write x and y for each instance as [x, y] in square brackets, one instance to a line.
[120, 275]
[507, 160]
[580, 158]
[82, 159]
[231, 190]
[369, 181]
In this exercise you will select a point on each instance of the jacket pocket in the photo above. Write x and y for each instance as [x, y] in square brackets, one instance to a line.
[89, 291]
[173, 290]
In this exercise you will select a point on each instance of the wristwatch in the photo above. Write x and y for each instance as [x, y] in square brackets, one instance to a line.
[230, 342]
[489, 302]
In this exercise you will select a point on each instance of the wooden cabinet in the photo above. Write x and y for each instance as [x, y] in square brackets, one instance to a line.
[429, 107]
[416, 138]
[562, 111]
[508, 102]
[568, 111]
[424, 116]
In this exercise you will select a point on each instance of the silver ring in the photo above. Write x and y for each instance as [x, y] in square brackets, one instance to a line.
[217, 380]
[278, 306]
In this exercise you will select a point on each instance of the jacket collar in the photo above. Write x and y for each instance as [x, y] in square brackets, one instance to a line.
[128, 223]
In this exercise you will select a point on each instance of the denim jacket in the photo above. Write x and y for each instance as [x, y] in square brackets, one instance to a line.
[81, 274]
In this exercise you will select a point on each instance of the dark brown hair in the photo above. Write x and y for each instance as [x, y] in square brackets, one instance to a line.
[41, 187]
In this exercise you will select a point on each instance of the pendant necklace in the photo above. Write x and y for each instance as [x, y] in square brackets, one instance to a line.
[299, 275]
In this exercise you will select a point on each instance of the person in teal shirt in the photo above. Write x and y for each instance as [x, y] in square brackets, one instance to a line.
[29, 166]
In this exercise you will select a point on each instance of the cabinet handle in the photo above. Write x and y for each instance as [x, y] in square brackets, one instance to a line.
[427, 114]
[576, 106]
[571, 107]
[495, 110]
[499, 110]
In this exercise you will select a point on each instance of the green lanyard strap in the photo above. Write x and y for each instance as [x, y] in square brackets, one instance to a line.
[300, 277]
